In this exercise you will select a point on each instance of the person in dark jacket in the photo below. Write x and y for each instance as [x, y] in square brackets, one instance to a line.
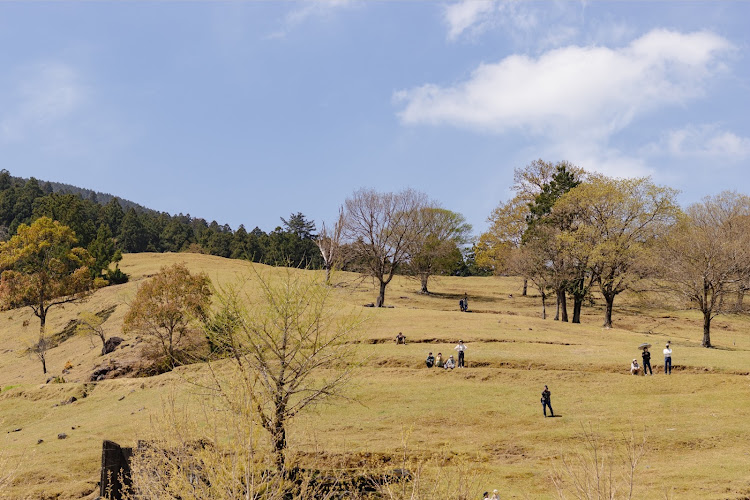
[430, 361]
[547, 402]
[646, 356]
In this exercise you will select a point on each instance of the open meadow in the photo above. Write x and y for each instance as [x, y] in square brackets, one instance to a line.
[485, 418]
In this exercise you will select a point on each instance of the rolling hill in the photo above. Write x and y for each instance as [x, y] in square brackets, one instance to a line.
[486, 417]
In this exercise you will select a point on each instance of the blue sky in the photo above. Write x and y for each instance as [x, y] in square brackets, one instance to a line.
[245, 112]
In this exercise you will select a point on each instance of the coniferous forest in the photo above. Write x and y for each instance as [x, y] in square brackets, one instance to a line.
[104, 221]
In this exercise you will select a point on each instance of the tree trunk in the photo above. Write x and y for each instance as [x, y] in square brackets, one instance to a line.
[544, 305]
[557, 310]
[41, 346]
[563, 305]
[423, 278]
[740, 298]
[706, 329]
[577, 304]
[610, 300]
[525, 287]
[279, 434]
[328, 274]
[706, 315]
[279, 445]
[381, 296]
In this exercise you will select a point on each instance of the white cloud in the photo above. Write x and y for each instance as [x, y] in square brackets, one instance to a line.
[309, 9]
[575, 98]
[595, 90]
[703, 141]
[39, 96]
[559, 36]
[517, 18]
[468, 14]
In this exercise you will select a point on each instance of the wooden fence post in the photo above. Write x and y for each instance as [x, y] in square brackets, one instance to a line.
[115, 472]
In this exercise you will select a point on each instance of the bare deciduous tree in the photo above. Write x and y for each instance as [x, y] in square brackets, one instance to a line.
[598, 471]
[543, 260]
[704, 257]
[329, 243]
[291, 351]
[382, 228]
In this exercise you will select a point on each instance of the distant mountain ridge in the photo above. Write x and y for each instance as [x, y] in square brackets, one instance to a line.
[87, 194]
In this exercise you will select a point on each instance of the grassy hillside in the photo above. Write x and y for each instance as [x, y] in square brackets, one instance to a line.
[696, 420]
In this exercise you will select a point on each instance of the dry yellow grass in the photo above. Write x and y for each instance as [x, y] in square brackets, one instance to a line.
[696, 420]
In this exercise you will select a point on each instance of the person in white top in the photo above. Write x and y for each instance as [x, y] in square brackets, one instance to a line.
[634, 368]
[461, 347]
[449, 363]
[668, 360]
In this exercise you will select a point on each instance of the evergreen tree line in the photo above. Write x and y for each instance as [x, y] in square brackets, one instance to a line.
[104, 228]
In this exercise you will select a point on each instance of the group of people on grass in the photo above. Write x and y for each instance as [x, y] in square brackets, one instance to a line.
[495, 495]
[636, 369]
[450, 363]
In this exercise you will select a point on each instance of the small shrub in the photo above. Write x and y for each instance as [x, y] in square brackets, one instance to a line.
[116, 276]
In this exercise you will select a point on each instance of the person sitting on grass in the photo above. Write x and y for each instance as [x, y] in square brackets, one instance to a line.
[450, 363]
[400, 338]
[439, 360]
[634, 368]
[430, 361]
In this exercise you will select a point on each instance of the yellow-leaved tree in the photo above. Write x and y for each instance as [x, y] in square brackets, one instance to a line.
[167, 306]
[42, 267]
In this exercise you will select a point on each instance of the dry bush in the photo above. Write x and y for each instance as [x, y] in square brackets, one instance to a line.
[223, 453]
[444, 476]
[7, 473]
[599, 470]
[217, 454]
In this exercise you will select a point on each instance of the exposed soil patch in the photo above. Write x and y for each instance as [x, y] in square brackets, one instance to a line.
[435, 340]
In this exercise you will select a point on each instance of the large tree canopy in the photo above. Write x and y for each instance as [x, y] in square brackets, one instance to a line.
[41, 268]
[382, 229]
[167, 305]
[612, 223]
[436, 249]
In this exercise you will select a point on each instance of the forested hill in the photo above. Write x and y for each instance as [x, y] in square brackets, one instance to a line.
[97, 218]
[87, 194]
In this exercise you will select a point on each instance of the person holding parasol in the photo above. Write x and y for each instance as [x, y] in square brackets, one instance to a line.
[646, 356]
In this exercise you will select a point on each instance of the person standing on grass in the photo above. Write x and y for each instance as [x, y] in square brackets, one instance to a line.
[668, 360]
[466, 302]
[461, 347]
[547, 402]
[646, 356]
